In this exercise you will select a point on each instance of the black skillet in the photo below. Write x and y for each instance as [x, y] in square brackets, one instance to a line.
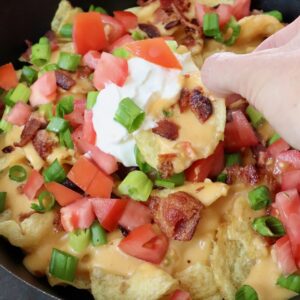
[29, 19]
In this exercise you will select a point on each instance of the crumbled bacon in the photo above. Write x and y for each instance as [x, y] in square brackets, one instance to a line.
[200, 105]
[84, 71]
[165, 167]
[151, 30]
[57, 225]
[172, 24]
[247, 174]
[177, 215]
[31, 128]
[184, 100]
[43, 143]
[63, 80]
[167, 129]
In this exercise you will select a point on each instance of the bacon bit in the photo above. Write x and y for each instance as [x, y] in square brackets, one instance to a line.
[172, 24]
[31, 128]
[184, 100]
[167, 129]
[84, 72]
[177, 215]
[24, 216]
[63, 80]
[179, 7]
[43, 143]
[8, 149]
[247, 174]
[166, 165]
[150, 30]
[52, 39]
[57, 225]
[200, 105]
[165, 4]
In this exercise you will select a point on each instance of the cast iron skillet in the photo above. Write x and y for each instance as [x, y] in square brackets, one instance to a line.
[30, 19]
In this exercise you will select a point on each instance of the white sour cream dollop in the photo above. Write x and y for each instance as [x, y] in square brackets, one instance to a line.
[146, 82]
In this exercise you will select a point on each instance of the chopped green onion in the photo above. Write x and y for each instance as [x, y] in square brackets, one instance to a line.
[68, 61]
[2, 201]
[236, 30]
[41, 52]
[171, 182]
[98, 9]
[63, 265]
[137, 185]
[268, 226]
[65, 139]
[57, 125]
[46, 202]
[29, 75]
[168, 113]
[276, 14]
[144, 167]
[259, 197]
[66, 31]
[255, 116]
[233, 159]
[137, 35]
[211, 26]
[7, 100]
[274, 139]
[121, 52]
[55, 172]
[17, 173]
[164, 183]
[222, 178]
[65, 106]
[20, 93]
[246, 292]
[173, 45]
[4, 125]
[291, 282]
[48, 68]
[46, 110]
[79, 239]
[129, 115]
[91, 99]
[98, 234]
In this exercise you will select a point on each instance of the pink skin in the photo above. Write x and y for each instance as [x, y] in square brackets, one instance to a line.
[269, 78]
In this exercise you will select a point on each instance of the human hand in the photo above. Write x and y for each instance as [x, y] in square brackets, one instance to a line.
[269, 78]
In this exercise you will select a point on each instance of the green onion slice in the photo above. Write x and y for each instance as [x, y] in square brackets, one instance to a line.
[66, 31]
[136, 185]
[137, 35]
[236, 30]
[233, 159]
[68, 61]
[29, 75]
[46, 110]
[2, 201]
[20, 93]
[46, 202]
[17, 173]
[99, 236]
[164, 183]
[41, 52]
[255, 116]
[222, 177]
[274, 139]
[57, 125]
[55, 172]
[246, 292]
[4, 125]
[173, 45]
[91, 99]
[65, 139]
[276, 14]
[129, 115]
[63, 265]
[144, 167]
[268, 226]
[291, 282]
[98, 9]
[259, 197]
[121, 52]
[79, 239]
[65, 106]
[211, 26]
[171, 182]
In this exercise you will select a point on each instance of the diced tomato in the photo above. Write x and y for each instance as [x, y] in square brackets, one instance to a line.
[19, 114]
[104, 161]
[63, 195]
[76, 117]
[101, 186]
[290, 180]
[83, 173]
[109, 211]
[8, 77]
[288, 204]
[89, 134]
[241, 8]
[88, 32]
[110, 69]
[156, 51]
[128, 19]
[124, 40]
[278, 147]
[43, 90]
[287, 160]
[239, 133]
[284, 256]
[33, 184]
[180, 295]
[77, 215]
[113, 28]
[144, 243]
[218, 161]
[91, 59]
[135, 215]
